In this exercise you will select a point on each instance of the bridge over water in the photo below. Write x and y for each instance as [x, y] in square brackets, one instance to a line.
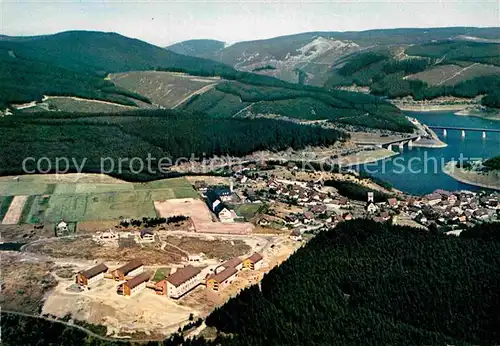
[463, 129]
[388, 144]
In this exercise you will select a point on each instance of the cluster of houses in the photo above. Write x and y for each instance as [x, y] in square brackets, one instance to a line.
[445, 208]
[442, 208]
[177, 284]
[320, 209]
[217, 198]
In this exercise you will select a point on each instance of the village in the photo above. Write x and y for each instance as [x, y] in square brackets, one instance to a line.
[304, 204]
[298, 208]
[197, 253]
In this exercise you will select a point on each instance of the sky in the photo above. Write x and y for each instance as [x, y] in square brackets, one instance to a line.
[168, 21]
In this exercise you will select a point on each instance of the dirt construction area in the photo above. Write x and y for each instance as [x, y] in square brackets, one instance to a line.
[201, 216]
[143, 312]
[86, 248]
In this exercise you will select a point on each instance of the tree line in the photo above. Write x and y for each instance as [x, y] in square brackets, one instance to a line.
[160, 133]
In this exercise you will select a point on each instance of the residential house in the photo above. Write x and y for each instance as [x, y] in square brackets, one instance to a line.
[107, 237]
[146, 236]
[318, 209]
[371, 208]
[253, 262]
[131, 269]
[292, 220]
[201, 186]
[62, 228]
[433, 199]
[223, 193]
[194, 258]
[347, 217]
[393, 202]
[308, 217]
[218, 207]
[264, 222]
[92, 275]
[296, 235]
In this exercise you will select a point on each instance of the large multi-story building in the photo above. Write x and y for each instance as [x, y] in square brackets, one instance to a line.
[131, 269]
[136, 284]
[180, 282]
[222, 279]
[92, 275]
[253, 262]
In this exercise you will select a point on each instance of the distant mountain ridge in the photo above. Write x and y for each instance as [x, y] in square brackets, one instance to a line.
[74, 63]
[197, 48]
[286, 52]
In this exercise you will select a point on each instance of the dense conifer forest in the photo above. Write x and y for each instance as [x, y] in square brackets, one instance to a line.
[370, 283]
[161, 133]
[493, 163]
[356, 191]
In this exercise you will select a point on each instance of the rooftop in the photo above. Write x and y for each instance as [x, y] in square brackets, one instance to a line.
[224, 275]
[233, 262]
[127, 268]
[139, 279]
[98, 269]
[182, 275]
[256, 257]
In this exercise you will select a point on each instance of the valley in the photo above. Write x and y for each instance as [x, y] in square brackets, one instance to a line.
[314, 188]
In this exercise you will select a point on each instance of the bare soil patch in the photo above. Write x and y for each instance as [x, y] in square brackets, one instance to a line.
[200, 214]
[86, 248]
[13, 215]
[219, 249]
[144, 313]
[25, 233]
[25, 283]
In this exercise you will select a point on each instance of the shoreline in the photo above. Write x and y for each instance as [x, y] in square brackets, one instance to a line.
[433, 108]
[478, 114]
[451, 171]
[366, 157]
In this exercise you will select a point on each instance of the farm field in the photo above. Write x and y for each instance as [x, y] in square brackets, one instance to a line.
[50, 202]
[166, 89]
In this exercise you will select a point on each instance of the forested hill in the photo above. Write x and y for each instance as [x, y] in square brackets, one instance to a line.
[366, 283]
[101, 52]
[197, 48]
[163, 134]
[459, 68]
[309, 56]
[74, 63]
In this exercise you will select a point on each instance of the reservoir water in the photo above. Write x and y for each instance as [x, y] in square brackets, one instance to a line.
[419, 170]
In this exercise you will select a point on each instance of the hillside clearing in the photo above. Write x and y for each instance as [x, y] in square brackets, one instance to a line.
[454, 74]
[167, 89]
